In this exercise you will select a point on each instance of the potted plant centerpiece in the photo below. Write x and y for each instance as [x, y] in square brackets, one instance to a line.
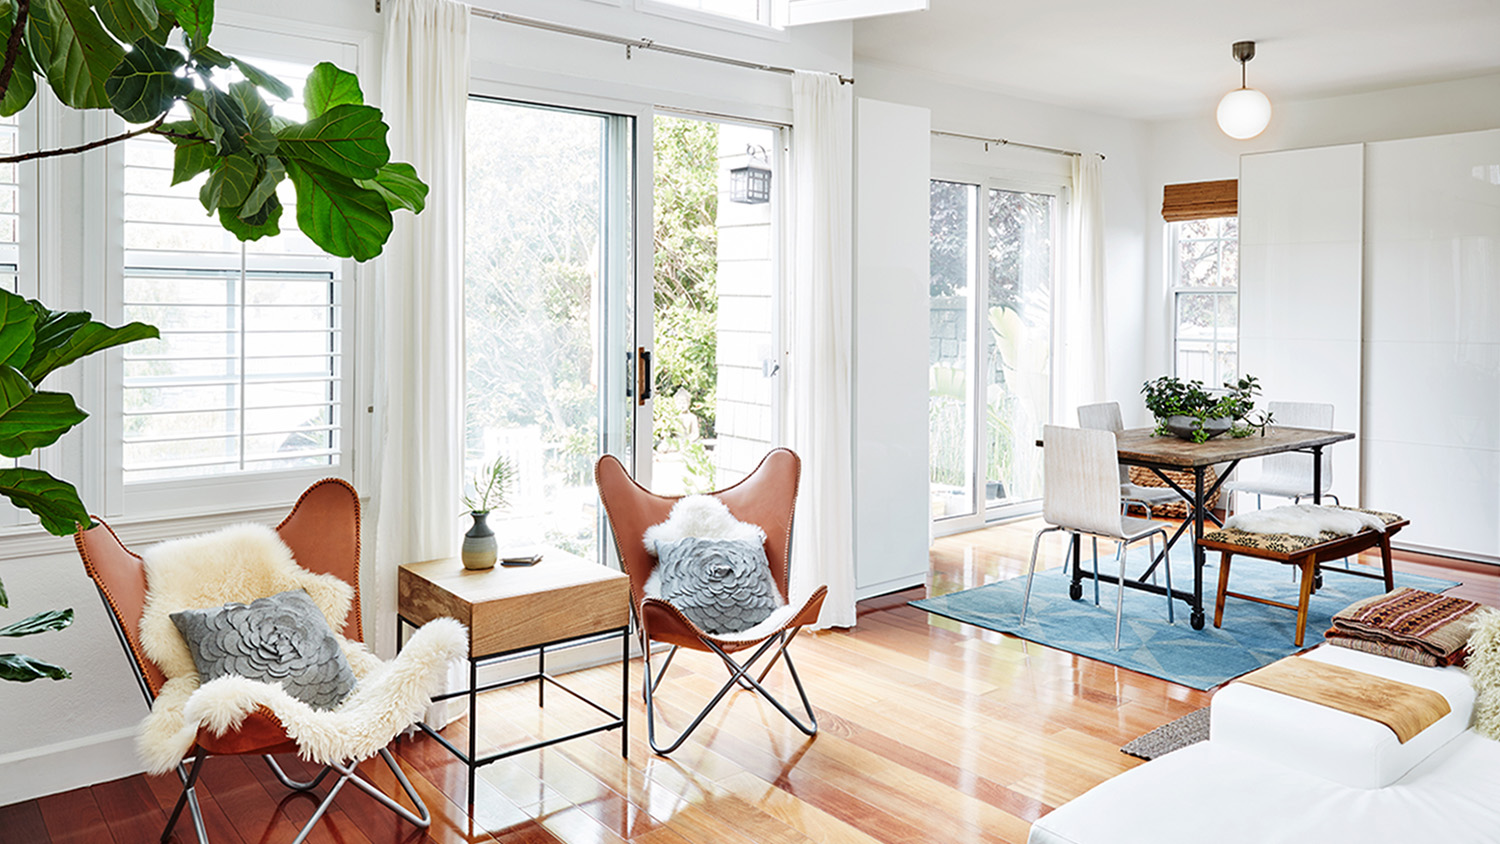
[1188, 410]
[491, 485]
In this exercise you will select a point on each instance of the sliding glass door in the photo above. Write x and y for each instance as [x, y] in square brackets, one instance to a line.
[603, 318]
[549, 287]
[993, 267]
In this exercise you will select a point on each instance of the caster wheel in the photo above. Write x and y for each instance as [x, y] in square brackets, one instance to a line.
[1197, 619]
[1075, 591]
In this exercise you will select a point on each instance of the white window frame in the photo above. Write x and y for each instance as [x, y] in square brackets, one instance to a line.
[229, 492]
[765, 25]
[988, 179]
[1174, 270]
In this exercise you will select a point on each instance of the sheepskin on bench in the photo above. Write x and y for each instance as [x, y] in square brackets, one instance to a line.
[246, 562]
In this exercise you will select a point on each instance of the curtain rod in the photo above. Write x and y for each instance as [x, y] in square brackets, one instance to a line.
[1007, 142]
[629, 43]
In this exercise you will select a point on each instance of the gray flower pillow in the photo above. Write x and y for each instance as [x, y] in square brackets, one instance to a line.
[721, 585]
[281, 639]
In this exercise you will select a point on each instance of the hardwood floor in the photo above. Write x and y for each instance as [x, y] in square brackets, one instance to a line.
[931, 730]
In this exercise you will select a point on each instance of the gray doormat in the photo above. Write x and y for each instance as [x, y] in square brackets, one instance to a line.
[1173, 735]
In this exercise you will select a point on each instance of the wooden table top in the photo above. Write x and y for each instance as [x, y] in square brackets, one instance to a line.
[508, 608]
[1137, 446]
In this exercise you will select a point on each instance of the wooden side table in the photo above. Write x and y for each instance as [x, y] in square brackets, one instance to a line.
[562, 601]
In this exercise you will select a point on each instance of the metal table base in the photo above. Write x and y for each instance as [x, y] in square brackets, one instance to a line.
[472, 760]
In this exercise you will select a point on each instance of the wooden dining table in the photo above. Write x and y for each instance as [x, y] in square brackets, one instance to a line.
[1140, 447]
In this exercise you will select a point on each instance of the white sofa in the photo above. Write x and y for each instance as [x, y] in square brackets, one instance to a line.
[1279, 769]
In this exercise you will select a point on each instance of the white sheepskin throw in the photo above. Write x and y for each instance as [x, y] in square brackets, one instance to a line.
[1483, 666]
[1307, 520]
[702, 516]
[246, 562]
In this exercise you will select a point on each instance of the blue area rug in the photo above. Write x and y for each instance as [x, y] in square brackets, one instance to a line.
[1253, 634]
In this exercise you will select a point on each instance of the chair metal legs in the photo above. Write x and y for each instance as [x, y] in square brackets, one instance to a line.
[347, 772]
[739, 675]
[1031, 571]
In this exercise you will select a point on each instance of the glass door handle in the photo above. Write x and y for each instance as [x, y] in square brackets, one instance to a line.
[642, 375]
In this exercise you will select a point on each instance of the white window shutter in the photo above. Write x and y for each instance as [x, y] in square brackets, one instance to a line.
[799, 12]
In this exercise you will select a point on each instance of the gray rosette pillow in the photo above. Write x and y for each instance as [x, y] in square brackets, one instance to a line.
[282, 639]
[721, 585]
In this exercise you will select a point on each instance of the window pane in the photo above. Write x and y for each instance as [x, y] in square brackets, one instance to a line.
[745, 10]
[536, 269]
[1198, 263]
[1229, 263]
[1195, 362]
[1019, 340]
[1196, 228]
[1197, 315]
[954, 209]
[248, 332]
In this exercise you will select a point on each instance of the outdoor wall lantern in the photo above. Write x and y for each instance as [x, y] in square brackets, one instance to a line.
[751, 184]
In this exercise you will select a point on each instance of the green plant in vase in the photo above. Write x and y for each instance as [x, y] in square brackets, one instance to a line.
[489, 492]
[1187, 409]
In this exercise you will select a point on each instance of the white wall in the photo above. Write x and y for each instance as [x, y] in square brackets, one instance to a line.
[956, 108]
[891, 233]
[61, 735]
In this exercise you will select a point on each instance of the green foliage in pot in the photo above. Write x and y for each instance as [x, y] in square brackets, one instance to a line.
[490, 487]
[120, 55]
[1169, 396]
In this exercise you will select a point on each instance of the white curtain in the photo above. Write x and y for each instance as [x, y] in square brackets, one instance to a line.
[418, 342]
[1080, 308]
[819, 308]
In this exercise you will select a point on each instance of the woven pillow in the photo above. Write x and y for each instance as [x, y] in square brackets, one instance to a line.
[721, 585]
[280, 639]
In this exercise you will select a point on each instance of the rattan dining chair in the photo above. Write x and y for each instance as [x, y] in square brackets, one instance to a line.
[1081, 496]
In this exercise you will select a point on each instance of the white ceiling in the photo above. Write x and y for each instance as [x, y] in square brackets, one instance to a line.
[1153, 59]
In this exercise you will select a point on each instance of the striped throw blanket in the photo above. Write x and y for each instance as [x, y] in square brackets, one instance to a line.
[1409, 625]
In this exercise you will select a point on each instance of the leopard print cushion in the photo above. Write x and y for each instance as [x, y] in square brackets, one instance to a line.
[1286, 543]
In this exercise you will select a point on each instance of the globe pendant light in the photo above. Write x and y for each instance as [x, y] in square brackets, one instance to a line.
[1244, 112]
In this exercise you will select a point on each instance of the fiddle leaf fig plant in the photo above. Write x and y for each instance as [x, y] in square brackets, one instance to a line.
[148, 60]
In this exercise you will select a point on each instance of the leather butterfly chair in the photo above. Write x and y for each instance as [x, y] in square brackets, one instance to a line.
[323, 533]
[765, 498]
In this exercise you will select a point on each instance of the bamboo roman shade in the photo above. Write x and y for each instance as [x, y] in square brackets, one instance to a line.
[1200, 200]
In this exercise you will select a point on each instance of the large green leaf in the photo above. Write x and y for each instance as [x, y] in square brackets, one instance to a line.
[129, 20]
[397, 181]
[73, 50]
[191, 158]
[328, 86]
[32, 419]
[42, 622]
[263, 79]
[146, 84]
[264, 189]
[347, 139]
[19, 668]
[54, 501]
[264, 223]
[17, 329]
[196, 17]
[65, 336]
[230, 183]
[261, 135]
[341, 217]
[22, 85]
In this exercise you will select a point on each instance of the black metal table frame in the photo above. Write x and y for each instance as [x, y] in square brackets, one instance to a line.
[472, 760]
[1197, 499]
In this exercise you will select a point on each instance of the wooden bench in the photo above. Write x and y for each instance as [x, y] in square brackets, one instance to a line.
[1305, 553]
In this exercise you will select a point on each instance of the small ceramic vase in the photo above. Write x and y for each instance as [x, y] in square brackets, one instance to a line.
[479, 550]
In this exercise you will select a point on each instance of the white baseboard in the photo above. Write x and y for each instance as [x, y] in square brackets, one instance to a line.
[66, 765]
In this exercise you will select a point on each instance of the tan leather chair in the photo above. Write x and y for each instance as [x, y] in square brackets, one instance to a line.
[323, 533]
[766, 498]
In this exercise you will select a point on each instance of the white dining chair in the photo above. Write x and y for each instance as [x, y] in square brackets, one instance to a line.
[1081, 496]
[1289, 475]
[1105, 416]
